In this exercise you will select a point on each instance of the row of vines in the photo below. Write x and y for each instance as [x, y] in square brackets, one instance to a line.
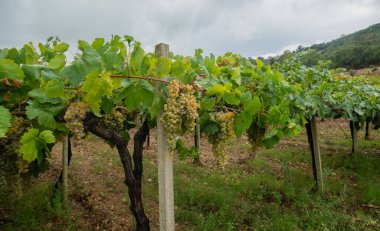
[114, 86]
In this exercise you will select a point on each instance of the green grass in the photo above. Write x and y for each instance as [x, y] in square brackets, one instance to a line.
[231, 200]
[40, 209]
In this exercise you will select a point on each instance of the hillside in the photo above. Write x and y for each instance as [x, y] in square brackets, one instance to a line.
[357, 50]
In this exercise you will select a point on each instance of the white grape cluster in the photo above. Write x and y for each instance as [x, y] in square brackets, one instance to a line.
[11, 161]
[180, 112]
[226, 133]
[114, 120]
[74, 116]
[255, 135]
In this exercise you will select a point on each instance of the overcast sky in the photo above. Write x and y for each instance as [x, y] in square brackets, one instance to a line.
[247, 27]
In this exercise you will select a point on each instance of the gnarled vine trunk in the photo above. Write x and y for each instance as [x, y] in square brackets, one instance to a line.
[133, 175]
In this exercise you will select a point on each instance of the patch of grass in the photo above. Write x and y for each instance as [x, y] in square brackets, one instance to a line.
[39, 209]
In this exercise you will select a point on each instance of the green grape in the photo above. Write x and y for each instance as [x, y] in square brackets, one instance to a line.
[74, 116]
[115, 120]
[255, 136]
[10, 158]
[226, 133]
[180, 112]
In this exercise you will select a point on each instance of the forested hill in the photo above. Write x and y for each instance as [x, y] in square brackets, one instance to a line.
[357, 50]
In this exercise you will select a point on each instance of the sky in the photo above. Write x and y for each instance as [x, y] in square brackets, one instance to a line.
[248, 27]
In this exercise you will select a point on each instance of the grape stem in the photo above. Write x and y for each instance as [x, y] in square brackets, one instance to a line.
[140, 77]
[150, 77]
[228, 108]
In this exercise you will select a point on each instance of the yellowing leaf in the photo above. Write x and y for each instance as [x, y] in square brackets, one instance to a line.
[96, 86]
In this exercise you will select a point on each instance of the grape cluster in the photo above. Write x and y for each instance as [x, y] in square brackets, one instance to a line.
[12, 163]
[74, 116]
[225, 121]
[255, 135]
[114, 120]
[180, 112]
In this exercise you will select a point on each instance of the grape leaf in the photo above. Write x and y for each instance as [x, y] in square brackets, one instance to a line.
[40, 95]
[54, 88]
[61, 47]
[90, 61]
[236, 76]
[253, 106]
[216, 89]
[207, 103]
[33, 143]
[96, 86]
[157, 105]
[137, 57]
[5, 120]
[163, 66]
[58, 62]
[231, 98]
[112, 59]
[44, 113]
[97, 43]
[29, 147]
[137, 95]
[47, 136]
[242, 122]
[9, 69]
[76, 72]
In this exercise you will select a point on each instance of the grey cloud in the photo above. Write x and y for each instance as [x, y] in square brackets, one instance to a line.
[248, 27]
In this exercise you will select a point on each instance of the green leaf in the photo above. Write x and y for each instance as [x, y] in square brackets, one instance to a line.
[96, 86]
[29, 145]
[55, 88]
[97, 43]
[44, 113]
[77, 71]
[145, 66]
[231, 98]
[253, 106]
[9, 69]
[242, 122]
[107, 104]
[274, 115]
[58, 62]
[211, 128]
[157, 105]
[47, 136]
[246, 97]
[112, 59]
[29, 136]
[137, 57]
[92, 57]
[178, 69]
[33, 71]
[5, 120]
[236, 76]
[27, 54]
[163, 66]
[139, 94]
[40, 95]
[83, 45]
[270, 142]
[207, 103]
[33, 143]
[271, 138]
[128, 38]
[61, 47]
[216, 89]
